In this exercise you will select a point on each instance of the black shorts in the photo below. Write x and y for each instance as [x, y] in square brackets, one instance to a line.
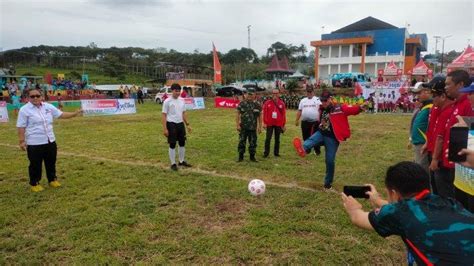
[176, 132]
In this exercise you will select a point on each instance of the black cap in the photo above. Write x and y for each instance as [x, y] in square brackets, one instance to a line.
[175, 87]
[325, 96]
[436, 85]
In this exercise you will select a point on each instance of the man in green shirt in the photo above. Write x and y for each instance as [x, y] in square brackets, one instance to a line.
[419, 125]
[249, 121]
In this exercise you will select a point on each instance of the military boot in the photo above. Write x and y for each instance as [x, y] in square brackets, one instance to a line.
[252, 158]
[241, 157]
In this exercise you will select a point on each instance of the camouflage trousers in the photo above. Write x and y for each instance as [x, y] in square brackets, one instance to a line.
[251, 135]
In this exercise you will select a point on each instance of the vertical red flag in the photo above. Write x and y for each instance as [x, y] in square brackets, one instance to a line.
[217, 66]
[357, 89]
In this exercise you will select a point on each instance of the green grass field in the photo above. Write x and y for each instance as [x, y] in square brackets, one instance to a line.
[120, 203]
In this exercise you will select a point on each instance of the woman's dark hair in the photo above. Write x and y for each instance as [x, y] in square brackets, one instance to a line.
[407, 178]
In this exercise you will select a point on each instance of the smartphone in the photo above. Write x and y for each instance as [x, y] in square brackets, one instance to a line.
[357, 191]
[457, 142]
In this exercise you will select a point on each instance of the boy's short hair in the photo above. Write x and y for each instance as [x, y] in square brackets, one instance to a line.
[460, 75]
[175, 87]
[407, 178]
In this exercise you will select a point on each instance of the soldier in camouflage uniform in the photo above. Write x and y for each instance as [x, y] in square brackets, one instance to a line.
[249, 121]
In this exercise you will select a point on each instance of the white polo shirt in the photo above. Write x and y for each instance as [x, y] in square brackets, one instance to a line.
[309, 109]
[38, 122]
[174, 108]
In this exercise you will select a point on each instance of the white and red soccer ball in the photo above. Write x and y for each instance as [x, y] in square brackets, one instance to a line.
[256, 187]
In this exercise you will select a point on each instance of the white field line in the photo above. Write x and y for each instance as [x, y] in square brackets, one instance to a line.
[195, 170]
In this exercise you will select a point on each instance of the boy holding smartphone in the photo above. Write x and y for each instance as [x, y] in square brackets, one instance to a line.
[436, 230]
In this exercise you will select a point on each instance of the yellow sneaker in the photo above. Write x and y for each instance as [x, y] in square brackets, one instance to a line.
[37, 188]
[54, 184]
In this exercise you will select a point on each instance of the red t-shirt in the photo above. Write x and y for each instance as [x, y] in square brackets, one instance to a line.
[440, 125]
[461, 107]
[430, 132]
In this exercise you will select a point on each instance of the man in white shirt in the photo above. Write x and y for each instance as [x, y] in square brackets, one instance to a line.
[309, 113]
[376, 102]
[174, 120]
[36, 136]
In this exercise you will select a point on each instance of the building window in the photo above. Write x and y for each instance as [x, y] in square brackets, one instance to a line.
[409, 50]
[357, 50]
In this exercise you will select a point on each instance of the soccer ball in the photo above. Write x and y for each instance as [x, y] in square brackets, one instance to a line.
[256, 187]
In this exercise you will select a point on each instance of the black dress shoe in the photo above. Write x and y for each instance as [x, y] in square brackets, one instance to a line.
[174, 167]
[185, 164]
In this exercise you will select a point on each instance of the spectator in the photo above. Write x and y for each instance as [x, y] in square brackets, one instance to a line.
[442, 109]
[184, 93]
[455, 81]
[419, 125]
[15, 103]
[435, 230]
[140, 96]
[133, 91]
[309, 113]
[274, 120]
[126, 92]
[60, 101]
[464, 181]
[121, 92]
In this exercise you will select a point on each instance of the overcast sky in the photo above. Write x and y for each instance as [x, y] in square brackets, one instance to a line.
[194, 24]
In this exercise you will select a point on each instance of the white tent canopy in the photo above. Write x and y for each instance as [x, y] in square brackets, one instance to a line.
[297, 74]
[111, 87]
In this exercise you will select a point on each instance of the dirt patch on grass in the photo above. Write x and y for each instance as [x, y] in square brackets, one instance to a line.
[223, 216]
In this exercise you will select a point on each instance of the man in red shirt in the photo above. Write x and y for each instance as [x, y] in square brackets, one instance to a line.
[274, 120]
[435, 134]
[455, 81]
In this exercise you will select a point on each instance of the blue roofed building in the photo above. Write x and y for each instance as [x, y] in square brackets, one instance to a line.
[367, 46]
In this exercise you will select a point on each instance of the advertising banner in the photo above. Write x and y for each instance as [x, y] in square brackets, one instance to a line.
[189, 103]
[226, 102]
[3, 112]
[108, 107]
[194, 103]
[464, 176]
[175, 75]
[199, 103]
[366, 92]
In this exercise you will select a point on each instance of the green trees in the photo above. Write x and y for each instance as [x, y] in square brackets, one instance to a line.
[237, 64]
[112, 66]
[292, 52]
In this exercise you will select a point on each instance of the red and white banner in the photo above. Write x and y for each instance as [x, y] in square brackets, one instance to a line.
[108, 107]
[226, 102]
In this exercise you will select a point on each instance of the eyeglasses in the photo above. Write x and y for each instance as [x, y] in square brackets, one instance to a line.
[35, 96]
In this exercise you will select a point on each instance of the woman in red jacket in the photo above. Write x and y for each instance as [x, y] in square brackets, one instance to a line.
[274, 120]
[333, 129]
